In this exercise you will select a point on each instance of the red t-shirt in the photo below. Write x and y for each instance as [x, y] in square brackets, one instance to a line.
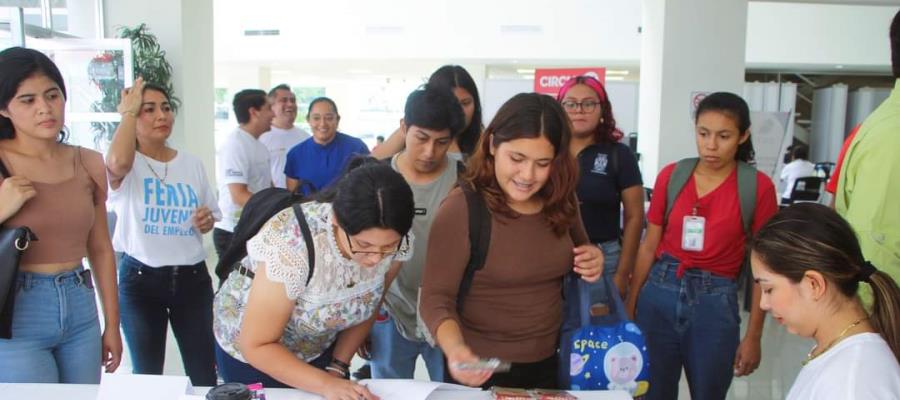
[723, 251]
[831, 187]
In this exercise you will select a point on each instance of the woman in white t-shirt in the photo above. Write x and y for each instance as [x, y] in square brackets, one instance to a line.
[164, 204]
[808, 263]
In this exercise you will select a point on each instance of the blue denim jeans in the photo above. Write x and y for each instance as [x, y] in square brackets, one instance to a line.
[394, 357]
[55, 331]
[152, 297]
[689, 322]
[233, 370]
[612, 250]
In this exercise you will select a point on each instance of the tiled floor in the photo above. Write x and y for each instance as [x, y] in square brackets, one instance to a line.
[782, 353]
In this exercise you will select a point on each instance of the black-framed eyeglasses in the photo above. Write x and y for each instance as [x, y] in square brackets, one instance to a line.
[585, 106]
[402, 246]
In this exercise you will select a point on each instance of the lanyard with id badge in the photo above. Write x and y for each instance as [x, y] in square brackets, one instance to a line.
[693, 231]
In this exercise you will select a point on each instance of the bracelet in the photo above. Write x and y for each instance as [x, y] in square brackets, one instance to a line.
[344, 373]
[340, 363]
[128, 112]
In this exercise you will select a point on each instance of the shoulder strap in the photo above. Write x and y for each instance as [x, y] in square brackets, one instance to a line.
[614, 162]
[479, 240]
[4, 173]
[746, 180]
[307, 237]
[683, 171]
[80, 160]
[614, 171]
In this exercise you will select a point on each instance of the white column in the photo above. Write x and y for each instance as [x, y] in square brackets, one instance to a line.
[687, 46]
[196, 82]
[265, 78]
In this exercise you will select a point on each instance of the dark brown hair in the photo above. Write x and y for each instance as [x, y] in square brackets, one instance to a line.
[16, 65]
[737, 109]
[812, 237]
[529, 116]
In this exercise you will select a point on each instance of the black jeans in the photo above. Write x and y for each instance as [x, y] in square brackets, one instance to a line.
[536, 375]
[221, 240]
[234, 370]
[152, 297]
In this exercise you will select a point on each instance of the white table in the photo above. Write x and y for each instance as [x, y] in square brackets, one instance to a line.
[45, 391]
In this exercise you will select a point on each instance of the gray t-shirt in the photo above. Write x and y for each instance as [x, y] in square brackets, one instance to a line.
[402, 297]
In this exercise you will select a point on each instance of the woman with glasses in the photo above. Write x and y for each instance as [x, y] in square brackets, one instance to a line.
[282, 323]
[609, 180]
[319, 161]
[523, 171]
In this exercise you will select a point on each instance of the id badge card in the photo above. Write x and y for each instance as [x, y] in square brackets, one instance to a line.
[693, 232]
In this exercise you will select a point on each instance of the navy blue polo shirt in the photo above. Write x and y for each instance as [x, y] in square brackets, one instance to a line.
[600, 187]
[321, 165]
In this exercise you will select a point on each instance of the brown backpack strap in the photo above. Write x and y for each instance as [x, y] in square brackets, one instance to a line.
[79, 160]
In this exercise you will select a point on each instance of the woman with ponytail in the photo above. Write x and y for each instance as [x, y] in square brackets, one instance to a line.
[809, 265]
[684, 287]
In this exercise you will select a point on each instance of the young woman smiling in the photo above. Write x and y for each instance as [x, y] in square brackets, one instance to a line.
[523, 170]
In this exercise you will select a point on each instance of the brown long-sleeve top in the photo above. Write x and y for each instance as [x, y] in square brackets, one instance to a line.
[513, 308]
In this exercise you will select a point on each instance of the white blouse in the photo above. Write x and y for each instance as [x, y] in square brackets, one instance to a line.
[340, 294]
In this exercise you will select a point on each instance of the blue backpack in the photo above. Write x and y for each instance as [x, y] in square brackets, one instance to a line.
[600, 353]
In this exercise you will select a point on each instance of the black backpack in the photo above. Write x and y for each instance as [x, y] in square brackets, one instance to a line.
[261, 207]
[479, 239]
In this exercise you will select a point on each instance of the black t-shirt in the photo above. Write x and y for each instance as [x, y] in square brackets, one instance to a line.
[600, 188]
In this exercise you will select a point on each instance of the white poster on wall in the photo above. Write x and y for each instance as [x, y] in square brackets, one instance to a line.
[769, 134]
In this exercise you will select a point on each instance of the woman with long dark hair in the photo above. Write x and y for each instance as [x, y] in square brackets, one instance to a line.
[684, 286]
[458, 80]
[59, 191]
[523, 171]
[809, 264]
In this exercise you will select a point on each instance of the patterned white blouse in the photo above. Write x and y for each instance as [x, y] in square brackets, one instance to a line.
[340, 294]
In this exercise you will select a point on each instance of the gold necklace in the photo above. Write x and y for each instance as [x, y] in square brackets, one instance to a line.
[153, 171]
[810, 356]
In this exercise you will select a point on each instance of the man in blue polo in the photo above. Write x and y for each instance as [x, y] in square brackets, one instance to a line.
[316, 163]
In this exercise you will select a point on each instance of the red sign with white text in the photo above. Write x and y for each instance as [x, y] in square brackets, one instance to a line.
[548, 81]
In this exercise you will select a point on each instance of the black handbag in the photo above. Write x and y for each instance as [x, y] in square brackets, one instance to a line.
[13, 241]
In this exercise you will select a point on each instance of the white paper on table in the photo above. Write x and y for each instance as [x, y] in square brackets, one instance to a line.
[143, 387]
[407, 389]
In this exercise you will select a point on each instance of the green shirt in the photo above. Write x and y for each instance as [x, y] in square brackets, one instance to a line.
[869, 186]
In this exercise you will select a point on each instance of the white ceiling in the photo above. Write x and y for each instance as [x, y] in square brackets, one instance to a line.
[401, 36]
